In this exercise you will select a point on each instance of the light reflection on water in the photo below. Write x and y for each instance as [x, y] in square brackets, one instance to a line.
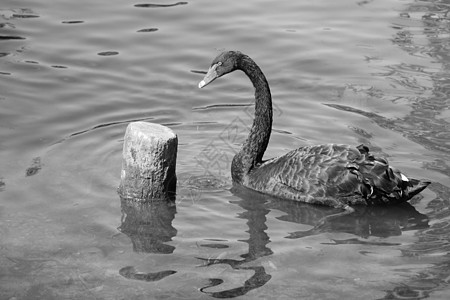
[74, 74]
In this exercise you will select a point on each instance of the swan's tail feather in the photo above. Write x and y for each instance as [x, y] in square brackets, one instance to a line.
[380, 183]
[416, 186]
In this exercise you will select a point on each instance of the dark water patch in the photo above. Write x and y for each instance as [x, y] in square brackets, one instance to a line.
[198, 72]
[59, 67]
[131, 273]
[2, 185]
[214, 106]
[148, 30]
[36, 166]
[19, 16]
[3, 54]
[356, 241]
[364, 2]
[108, 53]
[215, 246]
[11, 37]
[5, 73]
[72, 22]
[32, 62]
[153, 5]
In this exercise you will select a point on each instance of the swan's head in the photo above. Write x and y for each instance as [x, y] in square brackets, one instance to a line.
[223, 64]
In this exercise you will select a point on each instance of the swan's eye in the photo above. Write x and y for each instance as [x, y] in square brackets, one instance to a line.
[219, 63]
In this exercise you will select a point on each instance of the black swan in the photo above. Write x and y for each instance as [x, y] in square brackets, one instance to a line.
[334, 175]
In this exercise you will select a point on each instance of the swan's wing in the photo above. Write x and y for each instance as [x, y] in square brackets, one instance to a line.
[316, 174]
[333, 175]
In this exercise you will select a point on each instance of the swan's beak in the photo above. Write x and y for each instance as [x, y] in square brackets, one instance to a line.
[209, 77]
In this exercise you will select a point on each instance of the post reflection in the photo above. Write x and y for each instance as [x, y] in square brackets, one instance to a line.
[149, 225]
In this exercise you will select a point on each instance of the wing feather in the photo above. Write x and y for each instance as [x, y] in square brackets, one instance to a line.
[333, 175]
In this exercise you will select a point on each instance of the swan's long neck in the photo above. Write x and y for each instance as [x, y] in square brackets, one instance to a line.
[253, 149]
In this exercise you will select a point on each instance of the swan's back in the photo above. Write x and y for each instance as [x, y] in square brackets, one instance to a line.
[333, 175]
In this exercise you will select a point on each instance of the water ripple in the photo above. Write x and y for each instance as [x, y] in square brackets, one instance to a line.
[72, 22]
[108, 53]
[152, 5]
[148, 30]
[11, 37]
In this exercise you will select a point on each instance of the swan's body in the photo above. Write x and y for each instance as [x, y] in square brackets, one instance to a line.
[335, 175]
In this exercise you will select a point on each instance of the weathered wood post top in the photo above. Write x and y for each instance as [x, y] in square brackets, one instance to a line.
[148, 163]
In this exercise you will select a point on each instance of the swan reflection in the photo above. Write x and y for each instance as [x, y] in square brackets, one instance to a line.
[365, 222]
[255, 213]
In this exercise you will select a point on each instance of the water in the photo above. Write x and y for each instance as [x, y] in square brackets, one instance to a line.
[73, 74]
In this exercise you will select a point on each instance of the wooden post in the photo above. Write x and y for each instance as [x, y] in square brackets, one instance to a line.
[148, 163]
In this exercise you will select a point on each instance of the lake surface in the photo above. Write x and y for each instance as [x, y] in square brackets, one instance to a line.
[73, 74]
